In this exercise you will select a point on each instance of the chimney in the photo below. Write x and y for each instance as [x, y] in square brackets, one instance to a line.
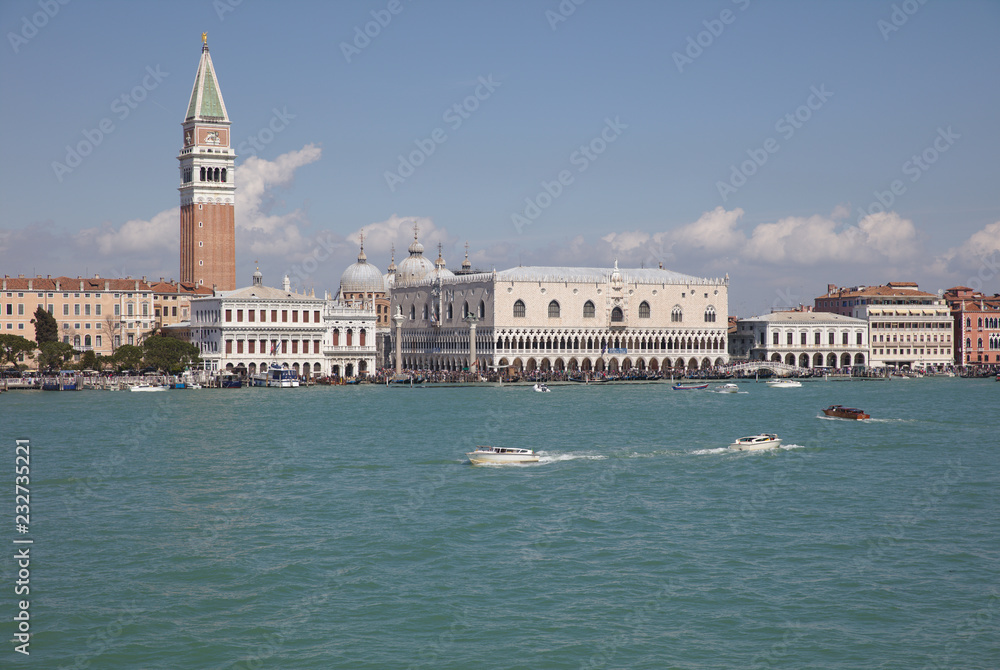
[136, 284]
[830, 288]
[31, 283]
[81, 283]
[97, 275]
[107, 285]
[286, 284]
[57, 284]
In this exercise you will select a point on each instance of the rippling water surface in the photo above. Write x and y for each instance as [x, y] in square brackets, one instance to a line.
[344, 528]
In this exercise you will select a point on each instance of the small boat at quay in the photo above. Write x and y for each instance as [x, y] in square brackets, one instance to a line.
[756, 442]
[784, 384]
[842, 412]
[689, 387]
[501, 455]
[147, 388]
[542, 388]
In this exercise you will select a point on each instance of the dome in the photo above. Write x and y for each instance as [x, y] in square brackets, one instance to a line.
[440, 269]
[361, 277]
[415, 267]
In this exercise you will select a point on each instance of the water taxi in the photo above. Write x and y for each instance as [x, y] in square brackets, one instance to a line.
[496, 455]
[144, 387]
[542, 388]
[842, 412]
[755, 442]
[728, 388]
[689, 387]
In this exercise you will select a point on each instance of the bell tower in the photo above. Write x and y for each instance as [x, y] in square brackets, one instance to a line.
[208, 184]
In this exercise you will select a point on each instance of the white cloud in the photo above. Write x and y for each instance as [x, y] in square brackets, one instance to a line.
[715, 232]
[398, 230]
[979, 254]
[138, 236]
[256, 180]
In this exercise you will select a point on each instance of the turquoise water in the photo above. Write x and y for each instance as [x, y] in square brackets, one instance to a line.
[344, 528]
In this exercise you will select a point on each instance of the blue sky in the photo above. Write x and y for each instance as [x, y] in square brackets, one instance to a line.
[788, 144]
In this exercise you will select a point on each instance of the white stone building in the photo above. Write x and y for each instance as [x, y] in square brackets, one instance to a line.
[807, 339]
[252, 328]
[559, 318]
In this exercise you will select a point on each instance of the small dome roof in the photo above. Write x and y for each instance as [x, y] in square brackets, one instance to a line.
[361, 277]
[415, 267]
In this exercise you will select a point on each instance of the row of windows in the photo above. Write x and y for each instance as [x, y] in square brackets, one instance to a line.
[885, 338]
[81, 310]
[917, 324]
[907, 352]
[276, 345]
[251, 315]
[617, 315]
[77, 295]
[790, 337]
[994, 342]
[991, 322]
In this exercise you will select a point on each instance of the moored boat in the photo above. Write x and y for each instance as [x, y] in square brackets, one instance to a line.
[783, 383]
[842, 412]
[756, 442]
[143, 387]
[500, 455]
[541, 388]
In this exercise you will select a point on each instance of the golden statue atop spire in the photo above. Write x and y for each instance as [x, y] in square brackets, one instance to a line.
[204, 38]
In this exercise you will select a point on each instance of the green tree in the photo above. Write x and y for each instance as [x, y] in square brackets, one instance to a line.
[89, 361]
[54, 355]
[128, 357]
[12, 346]
[46, 328]
[169, 353]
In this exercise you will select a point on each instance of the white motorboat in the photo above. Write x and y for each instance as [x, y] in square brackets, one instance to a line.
[542, 388]
[728, 388]
[500, 455]
[783, 383]
[755, 442]
[147, 388]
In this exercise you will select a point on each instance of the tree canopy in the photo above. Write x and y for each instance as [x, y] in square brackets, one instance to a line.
[54, 355]
[128, 357]
[12, 346]
[169, 353]
[46, 328]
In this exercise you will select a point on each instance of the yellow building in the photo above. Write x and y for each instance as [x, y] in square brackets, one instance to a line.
[94, 314]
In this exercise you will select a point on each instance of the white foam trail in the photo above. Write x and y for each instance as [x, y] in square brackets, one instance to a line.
[702, 452]
[792, 446]
[555, 458]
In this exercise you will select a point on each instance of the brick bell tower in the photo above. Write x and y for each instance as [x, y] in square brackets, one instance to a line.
[208, 185]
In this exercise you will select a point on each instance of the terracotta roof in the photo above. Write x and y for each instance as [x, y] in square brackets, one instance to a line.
[900, 289]
[191, 288]
[89, 284]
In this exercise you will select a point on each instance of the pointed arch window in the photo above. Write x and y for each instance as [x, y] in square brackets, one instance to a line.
[553, 310]
[644, 310]
[588, 310]
[424, 316]
[617, 316]
[710, 314]
[519, 310]
[676, 314]
[413, 312]
[482, 309]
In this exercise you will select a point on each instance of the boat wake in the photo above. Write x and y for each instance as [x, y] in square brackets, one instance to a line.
[702, 452]
[557, 458]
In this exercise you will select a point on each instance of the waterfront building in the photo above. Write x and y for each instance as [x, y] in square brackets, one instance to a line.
[172, 301]
[558, 318]
[93, 314]
[250, 329]
[363, 286]
[806, 338]
[908, 327]
[977, 326]
[208, 185]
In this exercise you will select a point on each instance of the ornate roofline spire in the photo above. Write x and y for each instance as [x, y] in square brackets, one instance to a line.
[466, 264]
[392, 263]
[361, 255]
